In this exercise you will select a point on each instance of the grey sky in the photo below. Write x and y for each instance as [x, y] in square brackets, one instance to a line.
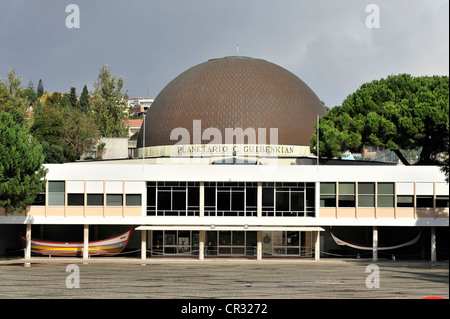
[326, 43]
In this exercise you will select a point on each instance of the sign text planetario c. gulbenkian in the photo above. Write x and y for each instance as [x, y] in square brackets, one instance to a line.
[237, 141]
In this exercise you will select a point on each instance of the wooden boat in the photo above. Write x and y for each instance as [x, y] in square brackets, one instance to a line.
[106, 247]
[342, 242]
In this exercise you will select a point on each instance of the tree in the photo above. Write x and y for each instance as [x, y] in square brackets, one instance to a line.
[21, 171]
[109, 104]
[80, 132]
[400, 112]
[73, 97]
[40, 89]
[14, 104]
[14, 82]
[85, 100]
[64, 131]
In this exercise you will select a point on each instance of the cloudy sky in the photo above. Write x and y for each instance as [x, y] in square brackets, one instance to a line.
[324, 42]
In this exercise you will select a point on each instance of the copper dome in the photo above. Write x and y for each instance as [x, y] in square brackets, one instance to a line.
[234, 92]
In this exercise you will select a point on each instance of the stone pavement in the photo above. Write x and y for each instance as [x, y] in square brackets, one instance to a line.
[117, 278]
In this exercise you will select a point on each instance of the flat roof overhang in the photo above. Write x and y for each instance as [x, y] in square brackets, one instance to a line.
[230, 227]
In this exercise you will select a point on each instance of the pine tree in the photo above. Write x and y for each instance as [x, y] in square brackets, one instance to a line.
[73, 97]
[85, 100]
[40, 89]
[21, 171]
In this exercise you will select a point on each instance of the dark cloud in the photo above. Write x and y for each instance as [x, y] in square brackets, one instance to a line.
[326, 43]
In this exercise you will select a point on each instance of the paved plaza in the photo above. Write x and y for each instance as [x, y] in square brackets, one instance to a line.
[69, 278]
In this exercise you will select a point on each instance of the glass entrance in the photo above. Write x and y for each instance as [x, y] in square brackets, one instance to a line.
[230, 243]
[173, 242]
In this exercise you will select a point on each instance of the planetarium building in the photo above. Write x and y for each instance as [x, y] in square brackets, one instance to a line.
[223, 169]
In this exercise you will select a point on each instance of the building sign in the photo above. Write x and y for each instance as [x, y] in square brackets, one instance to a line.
[225, 150]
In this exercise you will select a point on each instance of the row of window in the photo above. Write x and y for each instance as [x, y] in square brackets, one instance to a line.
[239, 199]
[230, 199]
[56, 197]
[366, 196]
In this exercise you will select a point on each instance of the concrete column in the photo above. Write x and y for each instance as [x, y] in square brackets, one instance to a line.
[28, 245]
[375, 243]
[433, 244]
[317, 246]
[143, 244]
[86, 243]
[202, 199]
[259, 245]
[201, 246]
[259, 200]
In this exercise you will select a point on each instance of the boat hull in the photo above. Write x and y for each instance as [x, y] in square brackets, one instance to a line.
[107, 247]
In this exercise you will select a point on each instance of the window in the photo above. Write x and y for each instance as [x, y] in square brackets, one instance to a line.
[133, 199]
[75, 199]
[385, 194]
[366, 194]
[94, 199]
[441, 201]
[56, 190]
[173, 199]
[346, 194]
[39, 200]
[327, 194]
[405, 201]
[424, 201]
[288, 199]
[230, 199]
[114, 199]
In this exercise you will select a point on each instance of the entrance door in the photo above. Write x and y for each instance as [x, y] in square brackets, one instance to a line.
[230, 243]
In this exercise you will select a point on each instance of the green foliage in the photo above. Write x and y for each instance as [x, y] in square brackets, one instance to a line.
[85, 100]
[64, 131]
[399, 112]
[21, 171]
[14, 104]
[109, 104]
[73, 97]
[40, 89]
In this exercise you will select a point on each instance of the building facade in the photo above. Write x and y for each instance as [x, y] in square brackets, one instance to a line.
[224, 170]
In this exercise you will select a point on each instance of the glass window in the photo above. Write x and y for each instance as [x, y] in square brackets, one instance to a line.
[114, 199]
[223, 200]
[424, 201]
[56, 191]
[94, 199]
[327, 188]
[282, 201]
[441, 201]
[75, 199]
[133, 199]
[56, 186]
[237, 201]
[297, 201]
[385, 194]
[366, 194]
[347, 195]
[327, 194]
[405, 201]
[179, 200]
[346, 188]
[267, 196]
[164, 200]
[39, 200]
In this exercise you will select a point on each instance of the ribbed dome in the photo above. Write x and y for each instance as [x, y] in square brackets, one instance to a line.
[234, 92]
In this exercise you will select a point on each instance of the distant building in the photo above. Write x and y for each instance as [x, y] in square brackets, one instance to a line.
[139, 106]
